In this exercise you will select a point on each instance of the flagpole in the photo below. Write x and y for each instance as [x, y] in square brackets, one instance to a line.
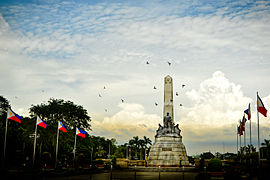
[237, 138]
[241, 132]
[250, 127]
[258, 130]
[56, 145]
[240, 143]
[245, 142]
[5, 141]
[35, 141]
[74, 150]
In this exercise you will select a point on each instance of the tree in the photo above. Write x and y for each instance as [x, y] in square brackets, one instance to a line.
[142, 145]
[266, 143]
[139, 144]
[265, 149]
[4, 105]
[72, 116]
[121, 151]
[207, 155]
[134, 143]
[147, 142]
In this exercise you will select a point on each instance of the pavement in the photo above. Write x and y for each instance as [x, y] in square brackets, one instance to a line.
[131, 175]
[136, 173]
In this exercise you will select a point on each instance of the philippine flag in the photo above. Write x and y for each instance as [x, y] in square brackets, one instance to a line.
[41, 123]
[248, 112]
[80, 132]
[61, 127]
[243, 123]
[239, 130]
[13, 116]
[261, 107]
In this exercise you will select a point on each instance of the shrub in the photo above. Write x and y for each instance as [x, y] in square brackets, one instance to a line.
[215, 165]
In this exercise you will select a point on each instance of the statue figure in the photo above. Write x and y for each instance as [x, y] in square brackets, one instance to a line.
[176, 129]
[167, 120]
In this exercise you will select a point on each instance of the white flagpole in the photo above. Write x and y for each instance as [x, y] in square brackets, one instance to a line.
[258, 130]
[237, 138]
[5, 141]
[74, 150]
[240, 138]
[245, 142]
[245, 135]
[250, 128]
[240, 143]
[56, 145]
[35, 141]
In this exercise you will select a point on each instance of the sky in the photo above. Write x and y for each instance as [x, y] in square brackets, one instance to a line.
[70, 50]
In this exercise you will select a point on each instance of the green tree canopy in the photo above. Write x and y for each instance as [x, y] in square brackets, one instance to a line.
[207, 155]
[67, 112]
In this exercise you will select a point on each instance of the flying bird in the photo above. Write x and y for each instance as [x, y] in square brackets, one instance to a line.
[183, 85]
[169, 63]
[155, 87]
[176, 93]
[147, 62]
[156, 103]
[104, 87]
[181, 105]
[99, 95]
[122, 100]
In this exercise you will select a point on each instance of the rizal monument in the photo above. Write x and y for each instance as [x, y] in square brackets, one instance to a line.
[168, 149]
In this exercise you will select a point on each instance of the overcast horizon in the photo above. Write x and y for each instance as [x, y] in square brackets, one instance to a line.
[71, 49]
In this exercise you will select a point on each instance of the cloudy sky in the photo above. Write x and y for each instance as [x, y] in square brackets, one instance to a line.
[72, 49]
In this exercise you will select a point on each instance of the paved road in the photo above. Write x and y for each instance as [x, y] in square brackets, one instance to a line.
[129, 175]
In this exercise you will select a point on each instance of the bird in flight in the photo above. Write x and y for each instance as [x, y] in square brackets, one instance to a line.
[156, 103]
[104, 87]
[147, 62]
[181, 105]
[183, 85]
[122, 100]
[169, 63]
[176, 93]
[99, 95]
[155, 87]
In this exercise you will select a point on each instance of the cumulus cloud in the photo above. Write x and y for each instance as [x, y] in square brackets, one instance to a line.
[217, 102]
[131, 120]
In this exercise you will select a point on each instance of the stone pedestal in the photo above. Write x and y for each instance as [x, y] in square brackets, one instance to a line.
[168, 149]
[166, 152]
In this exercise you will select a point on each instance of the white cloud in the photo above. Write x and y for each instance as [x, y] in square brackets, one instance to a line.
[217, 102]
[130, 121]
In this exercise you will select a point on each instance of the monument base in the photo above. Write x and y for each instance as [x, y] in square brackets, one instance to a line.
[168, 151]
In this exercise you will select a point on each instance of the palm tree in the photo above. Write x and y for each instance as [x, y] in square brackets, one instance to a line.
[135, 143]
[266, 143]
[266, 146]
[142, 145]
[146, 142]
